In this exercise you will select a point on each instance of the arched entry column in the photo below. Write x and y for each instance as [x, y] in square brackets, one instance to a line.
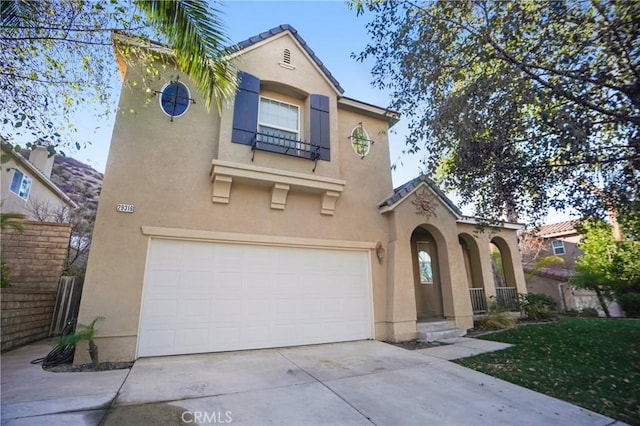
[478, 270]
[511, 281]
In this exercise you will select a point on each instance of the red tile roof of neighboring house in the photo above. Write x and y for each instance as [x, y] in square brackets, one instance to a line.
[559, 228]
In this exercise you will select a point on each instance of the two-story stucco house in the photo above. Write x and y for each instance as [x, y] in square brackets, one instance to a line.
[26, 184]
[561, 240]
[274, 223]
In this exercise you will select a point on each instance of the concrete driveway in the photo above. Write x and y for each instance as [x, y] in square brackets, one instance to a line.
[355, 383]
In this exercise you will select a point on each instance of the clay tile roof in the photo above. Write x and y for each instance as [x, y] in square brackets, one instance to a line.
[559, 228]
[280, 29]
[403, 190]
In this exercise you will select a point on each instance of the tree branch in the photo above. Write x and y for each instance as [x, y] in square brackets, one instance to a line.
[70, 40]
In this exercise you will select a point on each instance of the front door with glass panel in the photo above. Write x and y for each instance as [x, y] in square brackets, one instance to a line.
[427, 283]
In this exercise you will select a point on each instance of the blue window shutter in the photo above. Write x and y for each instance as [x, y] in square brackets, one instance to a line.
[245, 111]
[320, 125]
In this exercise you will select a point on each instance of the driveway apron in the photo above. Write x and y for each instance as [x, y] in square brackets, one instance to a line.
[353, 383]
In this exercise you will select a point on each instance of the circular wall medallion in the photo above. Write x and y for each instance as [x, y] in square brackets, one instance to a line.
[175, 99]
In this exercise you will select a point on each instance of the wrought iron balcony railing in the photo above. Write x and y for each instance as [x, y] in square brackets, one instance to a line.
[283, 145]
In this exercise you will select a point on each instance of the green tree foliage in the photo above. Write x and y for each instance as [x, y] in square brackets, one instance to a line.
[609, 267]
[56, 58]
[517, 105]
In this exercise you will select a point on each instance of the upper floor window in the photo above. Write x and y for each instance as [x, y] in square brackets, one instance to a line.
[279, 119]
[558, 247]
[268, 124]
[360, 141]
[175, 99]
[20, 184]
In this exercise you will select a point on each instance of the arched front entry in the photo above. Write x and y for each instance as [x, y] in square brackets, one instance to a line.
[427, 275]
[473, 268]
[504, 273]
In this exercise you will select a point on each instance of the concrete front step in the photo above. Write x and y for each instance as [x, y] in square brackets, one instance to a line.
[431, 331]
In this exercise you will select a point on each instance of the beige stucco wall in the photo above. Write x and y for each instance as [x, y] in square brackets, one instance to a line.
[40, 194]
[162, 168]
[513, 270]
[454, 286]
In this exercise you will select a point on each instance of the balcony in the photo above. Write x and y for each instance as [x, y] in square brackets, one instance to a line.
[281, 144]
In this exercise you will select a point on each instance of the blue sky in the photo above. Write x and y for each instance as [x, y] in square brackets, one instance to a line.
[333, 32]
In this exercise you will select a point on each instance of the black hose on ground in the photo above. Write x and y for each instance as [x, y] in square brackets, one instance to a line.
[59, 354]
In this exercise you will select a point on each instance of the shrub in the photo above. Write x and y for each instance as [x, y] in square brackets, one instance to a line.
[589, 313]
[537, 306]
[630, 304]
[497, 320]
[83, 333]
[5, 273]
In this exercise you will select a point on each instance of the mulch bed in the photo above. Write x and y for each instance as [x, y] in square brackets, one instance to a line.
[83, 368]
[412, 345]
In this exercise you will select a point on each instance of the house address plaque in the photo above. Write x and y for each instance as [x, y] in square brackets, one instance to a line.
[124, 208]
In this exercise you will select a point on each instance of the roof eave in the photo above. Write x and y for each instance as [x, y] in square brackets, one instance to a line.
[472, 220]
[386, 209]
[391, 117]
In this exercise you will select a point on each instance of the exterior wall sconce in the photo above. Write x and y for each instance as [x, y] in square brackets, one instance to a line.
[380, 252]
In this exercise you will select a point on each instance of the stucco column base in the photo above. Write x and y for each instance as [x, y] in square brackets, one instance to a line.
[401, 331]
[464, 322]
[113, 349]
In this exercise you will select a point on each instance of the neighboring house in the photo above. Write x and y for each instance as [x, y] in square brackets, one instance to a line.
[274, 224]
[27, 187]
[552, 278]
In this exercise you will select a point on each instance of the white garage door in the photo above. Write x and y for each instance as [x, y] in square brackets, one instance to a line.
[208, 297]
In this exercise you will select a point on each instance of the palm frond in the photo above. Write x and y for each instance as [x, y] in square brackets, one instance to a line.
[197, 38]
[14, 12]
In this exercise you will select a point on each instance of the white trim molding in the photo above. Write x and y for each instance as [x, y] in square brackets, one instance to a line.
[224, 173]
[256, 239]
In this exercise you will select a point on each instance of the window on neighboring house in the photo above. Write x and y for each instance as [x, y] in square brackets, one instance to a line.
[424, 264]
[20, 184]
[558, 247]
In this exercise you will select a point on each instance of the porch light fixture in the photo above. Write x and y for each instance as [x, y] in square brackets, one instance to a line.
[380, 252]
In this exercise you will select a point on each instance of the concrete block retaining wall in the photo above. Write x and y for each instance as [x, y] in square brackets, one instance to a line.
[36, 256]
[25, 315]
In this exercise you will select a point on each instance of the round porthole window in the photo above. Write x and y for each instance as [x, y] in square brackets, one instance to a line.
[360, 141]
[175, 99]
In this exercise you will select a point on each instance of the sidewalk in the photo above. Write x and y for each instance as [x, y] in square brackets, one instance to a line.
[462, 347]
[54, 398]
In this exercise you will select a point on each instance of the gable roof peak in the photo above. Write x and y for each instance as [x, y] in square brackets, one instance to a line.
[288, 28]
[404, 190]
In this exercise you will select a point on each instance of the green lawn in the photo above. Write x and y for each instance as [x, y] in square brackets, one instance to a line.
[591, 362]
